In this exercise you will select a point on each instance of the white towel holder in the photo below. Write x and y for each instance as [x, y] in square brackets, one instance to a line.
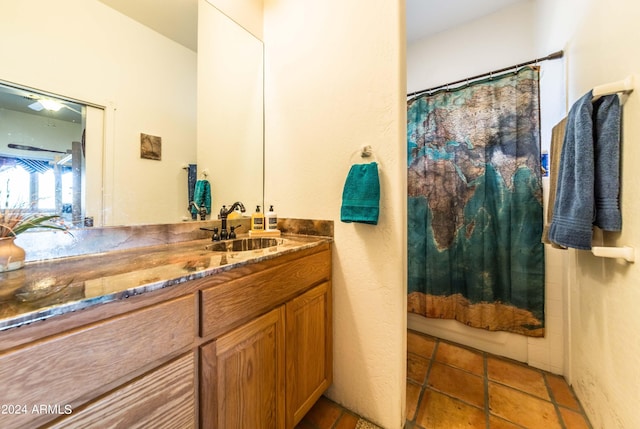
[625, 86]
[627, 253]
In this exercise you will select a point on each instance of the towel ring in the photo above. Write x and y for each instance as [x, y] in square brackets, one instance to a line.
[366, 151]
[366, 155]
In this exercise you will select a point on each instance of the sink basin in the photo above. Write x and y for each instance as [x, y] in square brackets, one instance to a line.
[244, 244]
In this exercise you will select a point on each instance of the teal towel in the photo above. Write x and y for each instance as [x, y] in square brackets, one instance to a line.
[361, 195]
[202, 196]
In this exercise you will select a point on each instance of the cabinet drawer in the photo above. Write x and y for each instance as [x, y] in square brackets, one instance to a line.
[69, 369]
[164, 398]
[230, 304]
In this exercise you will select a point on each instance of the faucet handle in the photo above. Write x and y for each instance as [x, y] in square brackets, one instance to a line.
[232, 233]
[215, 236]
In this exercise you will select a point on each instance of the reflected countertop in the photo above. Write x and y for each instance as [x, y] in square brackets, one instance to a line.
[44, 289]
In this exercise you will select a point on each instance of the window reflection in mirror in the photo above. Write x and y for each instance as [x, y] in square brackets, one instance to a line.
[42, 153]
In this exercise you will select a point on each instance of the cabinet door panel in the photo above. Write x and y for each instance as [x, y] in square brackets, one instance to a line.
[249, 376]
[309, 350]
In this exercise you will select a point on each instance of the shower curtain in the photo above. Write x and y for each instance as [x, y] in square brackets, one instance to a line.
[475, 205]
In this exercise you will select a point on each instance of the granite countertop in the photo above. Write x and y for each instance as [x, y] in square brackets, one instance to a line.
[45, 289]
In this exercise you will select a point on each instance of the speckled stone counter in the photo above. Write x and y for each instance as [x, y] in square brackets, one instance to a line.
[52, 287]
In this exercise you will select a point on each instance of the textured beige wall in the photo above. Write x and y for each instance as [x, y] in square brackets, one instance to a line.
[603, 45]
[335, 82]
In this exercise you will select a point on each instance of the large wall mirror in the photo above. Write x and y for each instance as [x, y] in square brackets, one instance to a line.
[125, 79]
[230, 109]
[43, 154]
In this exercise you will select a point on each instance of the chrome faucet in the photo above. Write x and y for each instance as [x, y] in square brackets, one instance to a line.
[224, 212]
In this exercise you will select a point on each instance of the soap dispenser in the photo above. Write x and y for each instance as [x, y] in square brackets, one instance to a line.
[271, 220]
[257, 220]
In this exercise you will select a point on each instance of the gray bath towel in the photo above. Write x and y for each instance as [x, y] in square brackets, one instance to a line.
[607, 163]
[573, 211]
[588, 181]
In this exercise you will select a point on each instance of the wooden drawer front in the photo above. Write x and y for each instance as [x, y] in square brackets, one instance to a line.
[164, 398]
[67, 369]
[228, 305]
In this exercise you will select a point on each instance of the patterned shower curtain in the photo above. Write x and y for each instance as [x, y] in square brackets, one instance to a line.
[475, 205]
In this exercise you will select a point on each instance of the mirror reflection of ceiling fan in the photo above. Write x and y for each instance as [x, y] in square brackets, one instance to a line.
[51, 105]
[58, 160]
[34, 148]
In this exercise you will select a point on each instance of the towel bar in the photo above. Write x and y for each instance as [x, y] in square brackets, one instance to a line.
[627, 253]
[626, 85]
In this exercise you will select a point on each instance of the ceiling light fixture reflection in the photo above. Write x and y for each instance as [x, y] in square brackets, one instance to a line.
[51, 105]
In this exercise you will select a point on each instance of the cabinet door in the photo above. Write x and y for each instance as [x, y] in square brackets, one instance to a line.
[243, 376]
[309, 350]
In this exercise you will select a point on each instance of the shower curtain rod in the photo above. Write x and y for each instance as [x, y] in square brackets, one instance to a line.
[553, 56]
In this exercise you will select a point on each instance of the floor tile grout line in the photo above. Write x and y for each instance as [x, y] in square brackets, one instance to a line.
[418, 401]
[451, 396]
[580, 411]
[431, 360]
[580, 407]
[423, 385]
[338, 418]
[485, 376]
[552, 396]
[425, 382]
[559, 406]
[524, 392]
[466, 371]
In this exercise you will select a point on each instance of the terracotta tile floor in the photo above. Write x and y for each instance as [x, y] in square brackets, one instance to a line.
[326, 414]
[450, 386]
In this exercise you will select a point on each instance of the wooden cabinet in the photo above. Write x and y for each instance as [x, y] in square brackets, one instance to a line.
[243, 372]
[308, 350]
[244, 382]
[292, 303]
[245, 348]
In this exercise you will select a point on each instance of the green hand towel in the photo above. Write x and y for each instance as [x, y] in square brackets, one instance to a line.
[202, 196]
[361, 195]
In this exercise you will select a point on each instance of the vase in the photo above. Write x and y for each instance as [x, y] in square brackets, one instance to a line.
[11, 255]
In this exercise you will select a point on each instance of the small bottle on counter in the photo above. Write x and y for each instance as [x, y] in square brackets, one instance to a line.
[257, 220]
[271, 220]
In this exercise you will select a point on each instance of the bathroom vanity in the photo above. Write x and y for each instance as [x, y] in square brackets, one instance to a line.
[172, 336]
